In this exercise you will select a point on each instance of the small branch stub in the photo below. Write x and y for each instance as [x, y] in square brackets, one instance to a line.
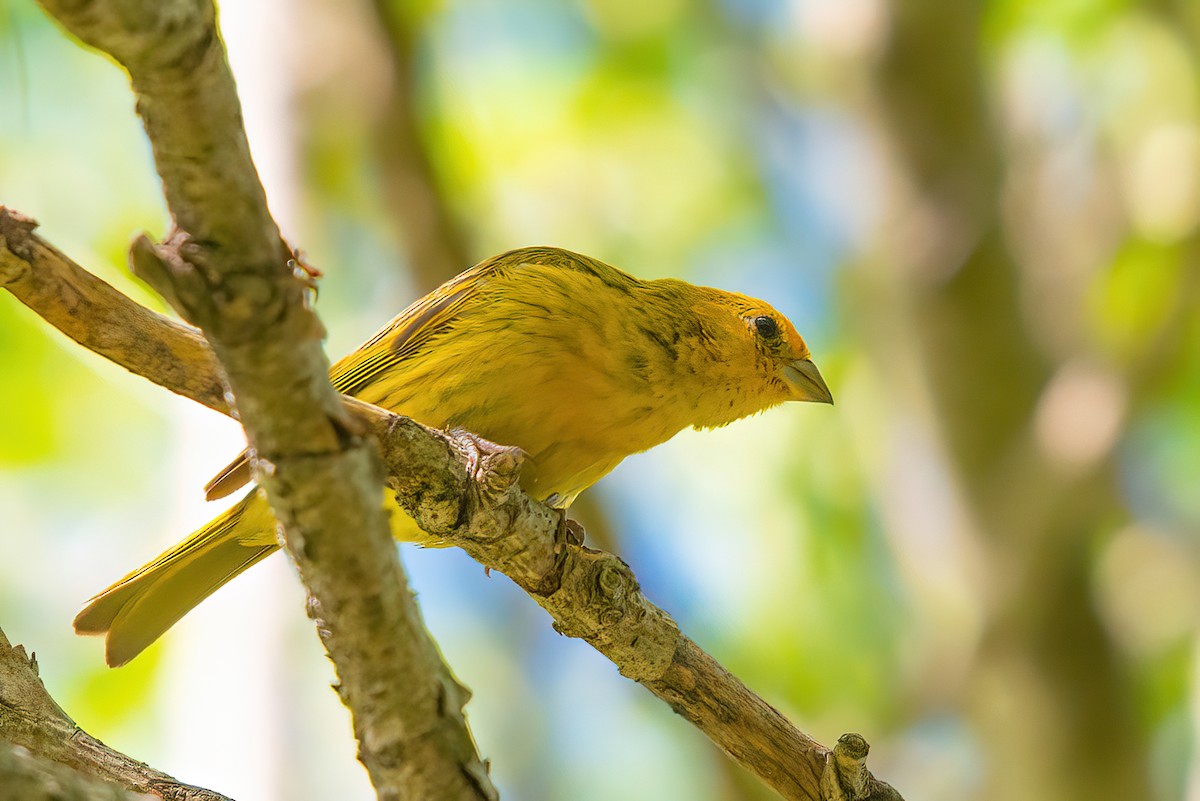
[154, 266]
[15, 232]
[846, 777]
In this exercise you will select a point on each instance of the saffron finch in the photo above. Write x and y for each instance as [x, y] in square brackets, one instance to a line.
[574, 361]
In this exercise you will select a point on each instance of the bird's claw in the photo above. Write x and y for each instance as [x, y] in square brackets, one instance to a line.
[493, 468]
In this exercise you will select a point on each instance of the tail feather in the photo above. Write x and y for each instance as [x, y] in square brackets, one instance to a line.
[232, 478]
[139, 608]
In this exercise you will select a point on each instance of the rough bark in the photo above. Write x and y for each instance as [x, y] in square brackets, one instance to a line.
[24, 777]
[227, 269]
[31, 721]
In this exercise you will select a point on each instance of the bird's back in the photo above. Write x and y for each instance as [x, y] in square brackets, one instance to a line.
[543, 354]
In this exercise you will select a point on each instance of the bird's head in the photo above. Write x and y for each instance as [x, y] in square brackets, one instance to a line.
[757, 357]
[781, 351]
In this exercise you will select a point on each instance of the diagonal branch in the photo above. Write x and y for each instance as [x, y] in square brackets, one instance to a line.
[25, 777]
[227, 269]
[471, 499]
[30, 719]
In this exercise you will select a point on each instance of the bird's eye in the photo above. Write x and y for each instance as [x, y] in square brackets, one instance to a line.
[766, 326]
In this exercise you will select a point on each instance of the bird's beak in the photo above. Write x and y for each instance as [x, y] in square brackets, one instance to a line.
[806, 382]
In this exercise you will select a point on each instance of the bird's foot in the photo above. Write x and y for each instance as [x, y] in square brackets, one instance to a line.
[493, 468]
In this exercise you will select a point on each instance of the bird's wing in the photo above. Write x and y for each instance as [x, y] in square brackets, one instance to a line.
[405, 335]
[413, 327]
[399, 340]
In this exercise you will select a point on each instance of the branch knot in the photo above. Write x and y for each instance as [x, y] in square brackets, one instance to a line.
[846, 777]
[15, 231]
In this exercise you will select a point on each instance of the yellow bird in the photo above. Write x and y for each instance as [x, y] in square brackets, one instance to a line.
[574, 361]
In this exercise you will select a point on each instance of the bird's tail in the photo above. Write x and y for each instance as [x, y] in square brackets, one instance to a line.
[136, 610]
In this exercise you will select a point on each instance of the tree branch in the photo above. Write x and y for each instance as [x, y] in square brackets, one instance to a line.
[31, 720]
[25, 777]
[466, 493]
[227, 269]
[103, 320]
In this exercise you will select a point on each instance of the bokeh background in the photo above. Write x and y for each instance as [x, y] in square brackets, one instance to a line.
[983, 216]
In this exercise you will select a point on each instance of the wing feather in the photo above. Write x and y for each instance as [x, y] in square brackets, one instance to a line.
[406, 335]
